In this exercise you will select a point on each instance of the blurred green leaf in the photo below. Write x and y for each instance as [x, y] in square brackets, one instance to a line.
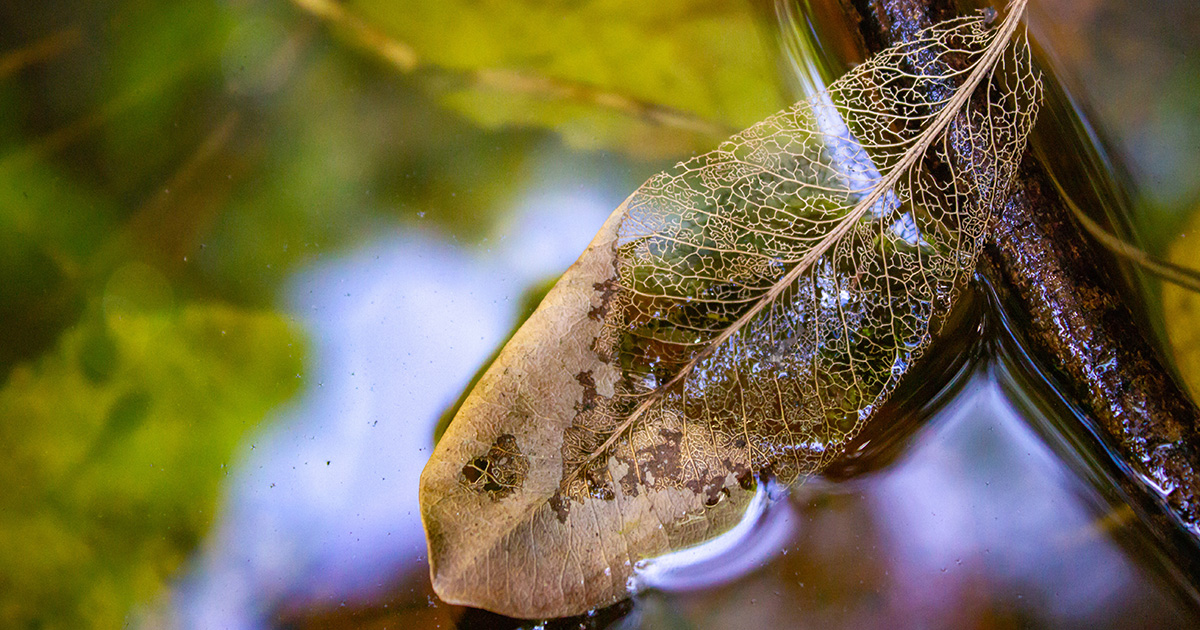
[116, 443]
[704, 58]
[48, 226]
[1181, 308]
[225, 142]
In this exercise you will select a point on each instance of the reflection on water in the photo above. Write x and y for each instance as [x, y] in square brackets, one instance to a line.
[325, 508]
[979, 521]
[765, 528]
[213, 146]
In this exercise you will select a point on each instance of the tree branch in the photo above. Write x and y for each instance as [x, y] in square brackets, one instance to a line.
[1040, 260]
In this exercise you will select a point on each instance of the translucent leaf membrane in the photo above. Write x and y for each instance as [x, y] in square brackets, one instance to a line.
[703, 244]
[740, 315]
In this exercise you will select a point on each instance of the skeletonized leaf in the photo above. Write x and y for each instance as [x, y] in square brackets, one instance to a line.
[742, 314]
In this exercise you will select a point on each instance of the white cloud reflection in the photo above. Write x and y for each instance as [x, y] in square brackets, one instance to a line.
[324, 506]
[983, 495]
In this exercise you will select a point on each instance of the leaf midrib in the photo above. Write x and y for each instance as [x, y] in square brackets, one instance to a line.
[925, 140]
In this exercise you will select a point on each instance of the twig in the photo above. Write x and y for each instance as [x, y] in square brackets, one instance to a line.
[1165, 270]
[395, 53]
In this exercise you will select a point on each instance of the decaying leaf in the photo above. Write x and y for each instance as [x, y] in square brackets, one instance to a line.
[738, 316]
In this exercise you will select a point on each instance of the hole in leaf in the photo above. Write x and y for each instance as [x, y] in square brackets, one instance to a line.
[476, 469]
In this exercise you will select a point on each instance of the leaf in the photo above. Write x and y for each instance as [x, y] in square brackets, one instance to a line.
[116, 445]
[705, 59]
[739, 316]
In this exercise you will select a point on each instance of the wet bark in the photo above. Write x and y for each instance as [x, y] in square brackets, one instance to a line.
[1041, 262]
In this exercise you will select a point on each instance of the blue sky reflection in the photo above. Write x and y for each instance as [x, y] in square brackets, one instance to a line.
[324, 506]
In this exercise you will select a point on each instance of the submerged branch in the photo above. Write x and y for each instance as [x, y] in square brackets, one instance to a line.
[1083, 330]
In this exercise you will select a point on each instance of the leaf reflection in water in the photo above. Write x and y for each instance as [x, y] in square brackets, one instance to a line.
[764, 529]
